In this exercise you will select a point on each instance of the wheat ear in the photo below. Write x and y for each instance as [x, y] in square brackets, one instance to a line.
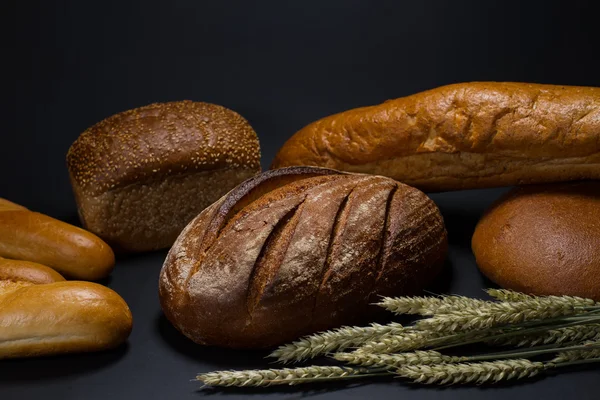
[395, 360]
[405, 341]
[482, 372]
[428, 305]
[512, 296]
[553, 336]
[338, 339]
[499, 314]
[284, 376]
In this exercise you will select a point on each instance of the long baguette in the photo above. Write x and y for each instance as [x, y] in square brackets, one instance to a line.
[462, 136]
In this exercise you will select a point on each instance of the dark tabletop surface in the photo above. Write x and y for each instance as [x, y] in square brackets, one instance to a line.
[281, 64]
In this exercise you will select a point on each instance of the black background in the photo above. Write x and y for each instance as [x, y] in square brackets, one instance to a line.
[281, 64]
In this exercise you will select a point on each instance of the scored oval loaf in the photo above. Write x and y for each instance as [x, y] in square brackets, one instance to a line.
[141, 175]
[461, 136]
[298, 250]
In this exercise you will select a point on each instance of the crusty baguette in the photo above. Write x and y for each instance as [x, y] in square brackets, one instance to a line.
[462, 136]
[141, 175]
[298, 250]
[543, 240]
[60, 317]
[72, 251]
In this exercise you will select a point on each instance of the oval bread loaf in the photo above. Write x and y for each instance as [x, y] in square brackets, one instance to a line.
[543, 240]
[141, 175]
[41, 314]
[462, 136]
[298, 250]
[72, 251]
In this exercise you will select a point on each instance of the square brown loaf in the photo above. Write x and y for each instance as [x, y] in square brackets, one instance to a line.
[140, 176]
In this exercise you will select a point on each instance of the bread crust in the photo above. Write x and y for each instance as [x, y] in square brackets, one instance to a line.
[296, 250]
[461, 136]
[141, 175]
[543, 240]
[61, 317]
[25, 271]
[72, 251]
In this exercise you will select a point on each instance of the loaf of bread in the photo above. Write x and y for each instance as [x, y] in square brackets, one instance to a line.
[543, 240]
[462, 136]
[140, 176]
[72, 251]
[298, 250]
[41, 315]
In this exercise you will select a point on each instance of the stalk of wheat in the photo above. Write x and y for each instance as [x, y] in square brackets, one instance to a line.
[335, 340]
[498, 314]
[553, 336]
[284, 376]
[428, 305]
[548, 324]
[396, 360]
[483, 372]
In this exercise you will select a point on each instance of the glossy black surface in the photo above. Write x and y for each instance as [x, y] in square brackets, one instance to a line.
[281, 65]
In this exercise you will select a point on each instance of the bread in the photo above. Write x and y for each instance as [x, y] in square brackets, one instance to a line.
[140, 176]
[60, 317]
[25, 271]
[543, 240]
[462, 136]
[31, 236]
[298, 250]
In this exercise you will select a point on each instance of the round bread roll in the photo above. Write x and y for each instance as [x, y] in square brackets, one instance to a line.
[543, 240]
[140, 176]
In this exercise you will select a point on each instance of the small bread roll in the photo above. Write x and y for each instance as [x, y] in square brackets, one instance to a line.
[543, 240]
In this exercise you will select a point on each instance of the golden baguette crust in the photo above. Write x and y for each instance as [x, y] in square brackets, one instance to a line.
[298, 250]
[141, 175]
[61, 317]
[72, 251]
[461, 136]
[25, 271]
[543, 240]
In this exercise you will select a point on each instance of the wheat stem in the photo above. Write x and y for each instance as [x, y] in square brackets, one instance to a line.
[338, 339]
[590, 349]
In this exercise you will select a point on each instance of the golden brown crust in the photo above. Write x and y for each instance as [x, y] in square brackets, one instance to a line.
[543, 240]
[25, 271]
[72, 251]
[140, 176]
[460, 136]
[296, 250]
[61, 317]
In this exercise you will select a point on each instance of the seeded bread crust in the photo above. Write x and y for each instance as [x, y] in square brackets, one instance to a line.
[141, 175]
[298, 250]
[462, 136]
